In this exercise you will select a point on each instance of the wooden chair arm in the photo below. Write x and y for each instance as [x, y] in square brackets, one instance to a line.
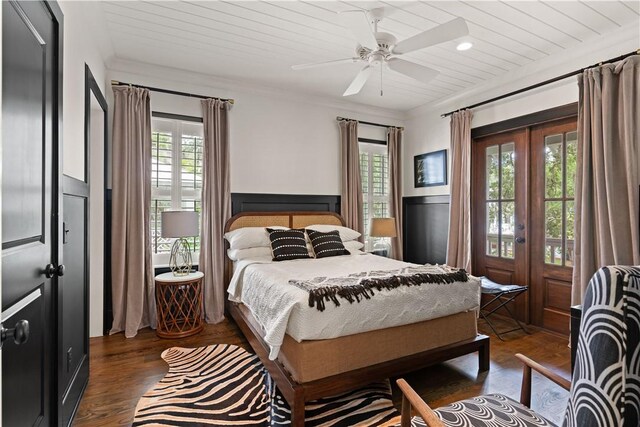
[525, 392]
[410, 399]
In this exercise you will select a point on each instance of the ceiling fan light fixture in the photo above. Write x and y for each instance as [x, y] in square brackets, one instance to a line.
[464, 45]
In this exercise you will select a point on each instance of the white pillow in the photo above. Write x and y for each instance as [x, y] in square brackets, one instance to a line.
[353, 246]
[346, 233]
[250, 237]
[250, 253]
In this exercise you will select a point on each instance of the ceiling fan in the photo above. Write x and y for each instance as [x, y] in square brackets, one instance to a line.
[382, 49]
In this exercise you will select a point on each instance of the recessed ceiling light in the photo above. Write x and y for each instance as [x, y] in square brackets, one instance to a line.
[464, 46]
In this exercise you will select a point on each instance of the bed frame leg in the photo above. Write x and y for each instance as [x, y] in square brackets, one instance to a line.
[297, 408]
[484, 355]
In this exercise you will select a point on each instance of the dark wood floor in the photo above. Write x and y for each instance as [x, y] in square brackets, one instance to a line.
[123, 369]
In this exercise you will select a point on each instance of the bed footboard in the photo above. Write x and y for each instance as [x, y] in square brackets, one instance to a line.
[297, 394]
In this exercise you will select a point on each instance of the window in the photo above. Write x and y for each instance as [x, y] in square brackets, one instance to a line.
[374, 171]
[176, 177]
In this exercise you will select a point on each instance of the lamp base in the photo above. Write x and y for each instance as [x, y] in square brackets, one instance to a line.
[180, 259]
[382, 247]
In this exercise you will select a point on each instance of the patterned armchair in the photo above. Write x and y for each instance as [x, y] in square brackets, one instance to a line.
[605, 390]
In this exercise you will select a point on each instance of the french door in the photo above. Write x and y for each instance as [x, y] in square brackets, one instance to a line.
[500, 214]
[553, 173]
[523, 216]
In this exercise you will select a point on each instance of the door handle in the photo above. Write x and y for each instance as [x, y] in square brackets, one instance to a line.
[520, 240]
[20, 333]
[51, 270]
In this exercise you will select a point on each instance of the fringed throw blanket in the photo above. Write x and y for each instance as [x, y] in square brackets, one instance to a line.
[356, 286]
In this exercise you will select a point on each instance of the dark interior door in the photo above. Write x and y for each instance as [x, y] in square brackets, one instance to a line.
[499, 210]
[29, 182]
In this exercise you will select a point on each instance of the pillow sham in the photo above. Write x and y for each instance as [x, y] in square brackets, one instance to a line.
[354, 246]
[250, 237]
[346, 233]
[250, 253]
[288, 244]
[326, 244]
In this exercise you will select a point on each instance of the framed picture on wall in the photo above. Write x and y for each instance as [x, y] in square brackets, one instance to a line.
[430, 169]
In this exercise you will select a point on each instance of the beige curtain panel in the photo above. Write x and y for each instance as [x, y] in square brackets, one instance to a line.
[459, 246]
[131, 267]
[216, 205]
[394, 143]
[608, 170]
[351, 193]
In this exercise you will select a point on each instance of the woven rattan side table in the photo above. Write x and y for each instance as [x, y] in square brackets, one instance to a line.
[179, 304]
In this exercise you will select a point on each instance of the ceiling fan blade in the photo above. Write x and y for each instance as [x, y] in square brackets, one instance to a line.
[359, 81]
[325, 63]
[357, 21]
[410, 69]
[442, 33]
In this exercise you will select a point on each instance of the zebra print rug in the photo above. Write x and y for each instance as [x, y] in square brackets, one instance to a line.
[225, 385]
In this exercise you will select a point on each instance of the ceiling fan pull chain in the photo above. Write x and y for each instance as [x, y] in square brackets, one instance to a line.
[381, 92]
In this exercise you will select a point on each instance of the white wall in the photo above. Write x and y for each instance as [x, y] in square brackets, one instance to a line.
[83, 44]
[426, 131]
[280, 142]
[96, 219]
[80, 47]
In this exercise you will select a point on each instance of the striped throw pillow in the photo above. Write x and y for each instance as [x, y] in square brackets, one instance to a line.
[326, 244]
[288, 244]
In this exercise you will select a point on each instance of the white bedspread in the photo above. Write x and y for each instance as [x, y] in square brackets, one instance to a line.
[279, 307]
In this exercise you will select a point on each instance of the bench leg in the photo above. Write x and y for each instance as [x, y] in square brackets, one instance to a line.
[484, 356]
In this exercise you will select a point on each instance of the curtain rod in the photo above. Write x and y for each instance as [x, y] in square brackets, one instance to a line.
[544, 83]
[370, 123]
[171, 92]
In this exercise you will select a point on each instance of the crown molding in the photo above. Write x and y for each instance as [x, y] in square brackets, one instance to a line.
[194, 82]
[615, 43]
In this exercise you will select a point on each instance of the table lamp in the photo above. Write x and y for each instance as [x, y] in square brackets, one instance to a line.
[383, 227]
[180, 224]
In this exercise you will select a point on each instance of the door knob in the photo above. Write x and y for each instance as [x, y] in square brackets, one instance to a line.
[20, 332]
[520, 240]
[51, 270]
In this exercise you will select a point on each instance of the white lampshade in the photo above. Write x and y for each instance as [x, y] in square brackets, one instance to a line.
[383, 227]
[180, 224]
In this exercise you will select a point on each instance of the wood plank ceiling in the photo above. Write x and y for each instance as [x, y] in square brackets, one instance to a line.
[259, 41]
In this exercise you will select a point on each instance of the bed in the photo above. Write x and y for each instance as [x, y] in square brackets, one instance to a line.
[334, 355]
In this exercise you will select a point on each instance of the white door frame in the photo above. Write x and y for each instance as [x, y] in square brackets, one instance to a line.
[0, 198]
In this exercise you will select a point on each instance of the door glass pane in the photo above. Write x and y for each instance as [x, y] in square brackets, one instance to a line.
[493, 171]
[553, 232]
[553, 166]
[500, 215]
[508, 170]
[493, 212]
[569, 233]
[508, 228]
[572, 155]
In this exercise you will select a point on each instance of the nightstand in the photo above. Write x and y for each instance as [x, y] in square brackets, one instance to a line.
[179, 304]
